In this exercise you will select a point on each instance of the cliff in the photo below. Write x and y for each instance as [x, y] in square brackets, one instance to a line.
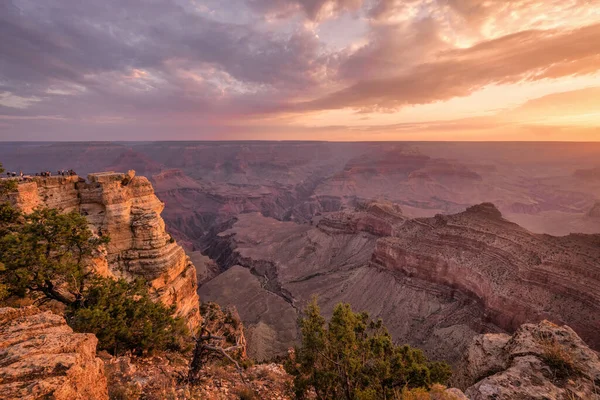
[595, 210]
[41, 358]
[124, 207]
[518, 276]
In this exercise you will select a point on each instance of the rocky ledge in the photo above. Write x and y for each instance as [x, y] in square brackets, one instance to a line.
[375, 217]
[41, 358]
[540, 361]
[124, 207]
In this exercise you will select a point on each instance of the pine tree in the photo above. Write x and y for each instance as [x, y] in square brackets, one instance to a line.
[353, 357]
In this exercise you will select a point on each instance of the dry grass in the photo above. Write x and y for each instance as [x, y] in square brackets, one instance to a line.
[246, 393]
[266, 374]
[558, 358]
[437, 392]
[120, 391]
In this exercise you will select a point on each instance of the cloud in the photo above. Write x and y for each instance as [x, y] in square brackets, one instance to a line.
[524, 56]
[313, 9]
[8, 99]
[210, 63]
[140, 56]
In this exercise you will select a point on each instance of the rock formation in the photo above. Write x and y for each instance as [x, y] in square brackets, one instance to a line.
[41, 358]
[518, 276]
[124, 207]
[436, 282]
[540, 361]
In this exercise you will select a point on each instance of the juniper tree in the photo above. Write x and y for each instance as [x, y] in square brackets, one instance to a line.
[124, 318]
[353, 357]
[46, 253]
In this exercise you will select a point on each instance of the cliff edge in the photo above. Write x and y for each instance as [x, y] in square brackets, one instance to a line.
[124, 207]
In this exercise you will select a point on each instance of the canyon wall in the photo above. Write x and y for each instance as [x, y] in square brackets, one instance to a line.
[124, 207]
[518, 276]
[436, 282]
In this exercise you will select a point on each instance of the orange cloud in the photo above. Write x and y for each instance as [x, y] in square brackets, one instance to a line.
[524, 56]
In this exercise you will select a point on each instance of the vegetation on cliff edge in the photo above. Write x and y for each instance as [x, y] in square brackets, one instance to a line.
[353, 357]
[45, 256]
[124, 318]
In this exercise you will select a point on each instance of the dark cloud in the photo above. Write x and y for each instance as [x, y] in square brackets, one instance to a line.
[96, 45]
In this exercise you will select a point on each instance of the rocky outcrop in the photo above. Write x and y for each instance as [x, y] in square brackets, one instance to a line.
[540, 361]
[518, 276]
[377, 218]
[124, 207]
[41, 358]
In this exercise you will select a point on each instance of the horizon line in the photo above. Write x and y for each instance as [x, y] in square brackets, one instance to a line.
[295, 141]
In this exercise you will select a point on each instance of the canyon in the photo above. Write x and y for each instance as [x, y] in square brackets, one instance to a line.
[436, 282]
[443, 241]
[544, 187]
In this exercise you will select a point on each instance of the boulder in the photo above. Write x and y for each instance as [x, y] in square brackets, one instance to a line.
[540, 361]
[42, 358]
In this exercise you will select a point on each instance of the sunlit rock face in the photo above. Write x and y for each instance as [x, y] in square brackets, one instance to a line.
[42, 358]
[125, 208]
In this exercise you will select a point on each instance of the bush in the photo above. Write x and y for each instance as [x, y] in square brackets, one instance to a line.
[353, 358]
[124, 318]
[558, 358]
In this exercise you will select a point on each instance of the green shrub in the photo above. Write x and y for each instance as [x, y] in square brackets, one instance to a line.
[44, 253]
[353, 357]
[124, 318]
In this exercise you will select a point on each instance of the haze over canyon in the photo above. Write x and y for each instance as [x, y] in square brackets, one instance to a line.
[442, 240]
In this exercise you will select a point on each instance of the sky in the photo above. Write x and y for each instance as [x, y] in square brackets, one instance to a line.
[338, 70]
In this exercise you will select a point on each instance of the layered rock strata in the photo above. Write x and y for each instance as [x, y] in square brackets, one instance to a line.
[276, 267]
[518, 276]
[41, 358]
[124, 207]
[436, 282]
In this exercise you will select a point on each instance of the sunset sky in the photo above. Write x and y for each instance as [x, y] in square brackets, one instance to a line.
[300, 69]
